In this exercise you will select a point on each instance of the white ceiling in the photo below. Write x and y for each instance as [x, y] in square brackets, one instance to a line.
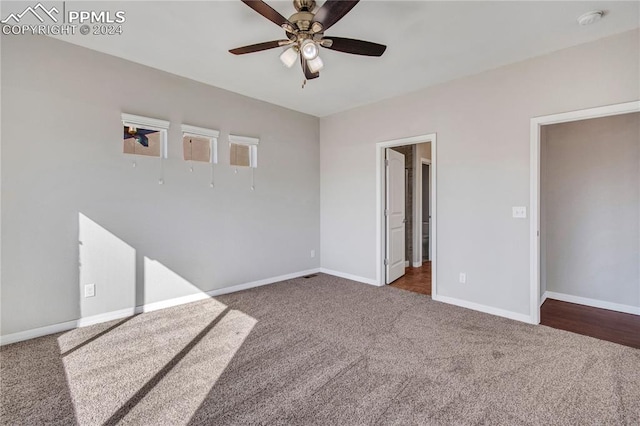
[428, 43]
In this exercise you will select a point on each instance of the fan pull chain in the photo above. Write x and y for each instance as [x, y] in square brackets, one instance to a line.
[161, 180]
[304, 83]
[235, 160]
[190, 156]
[211, 183]
[134, 152]
[253, 178]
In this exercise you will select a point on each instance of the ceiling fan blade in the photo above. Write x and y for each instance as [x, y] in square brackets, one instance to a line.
[307, 72]
[267, 11]
[332, 11]
[258, 47]
[137, 132]
[355, 47]
[146, 131]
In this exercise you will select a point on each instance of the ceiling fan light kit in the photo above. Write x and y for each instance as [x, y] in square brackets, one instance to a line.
[305, 34]
[309, 49]
[315, 64]
[289, 56]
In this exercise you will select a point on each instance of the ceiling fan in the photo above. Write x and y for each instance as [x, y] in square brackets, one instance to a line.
[139, 135]
[305, 34]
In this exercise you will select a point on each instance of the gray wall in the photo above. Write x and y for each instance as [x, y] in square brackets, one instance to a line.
[483, 153]
[63, 172]
[591, 199]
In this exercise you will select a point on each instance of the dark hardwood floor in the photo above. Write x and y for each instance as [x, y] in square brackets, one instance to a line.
[602, 324]
[417, 280]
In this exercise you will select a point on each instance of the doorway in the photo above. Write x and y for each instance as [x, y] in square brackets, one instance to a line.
[539, 285]
[406, 246]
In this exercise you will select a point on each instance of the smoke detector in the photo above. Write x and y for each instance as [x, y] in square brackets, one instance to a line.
[590, 17]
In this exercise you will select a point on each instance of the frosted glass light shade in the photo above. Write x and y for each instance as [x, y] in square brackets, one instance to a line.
[315, 65]
[289, 57]
[309, 49]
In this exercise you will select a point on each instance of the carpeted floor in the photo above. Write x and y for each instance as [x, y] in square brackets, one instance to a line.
[322, 351]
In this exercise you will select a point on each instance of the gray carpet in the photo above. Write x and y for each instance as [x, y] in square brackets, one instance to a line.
[322, 351]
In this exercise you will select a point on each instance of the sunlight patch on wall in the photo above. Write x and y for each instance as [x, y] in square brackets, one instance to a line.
[109, 265]
[162, 283]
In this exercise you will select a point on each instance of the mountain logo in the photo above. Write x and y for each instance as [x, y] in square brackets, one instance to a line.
[33, 11]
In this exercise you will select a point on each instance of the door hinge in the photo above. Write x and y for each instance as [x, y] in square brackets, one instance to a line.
[386, 162]
[386, 262]
[386, 212]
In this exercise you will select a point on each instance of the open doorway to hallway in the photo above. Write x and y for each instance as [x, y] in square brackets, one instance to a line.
[408, 217]
[584, 225]
[590, 227]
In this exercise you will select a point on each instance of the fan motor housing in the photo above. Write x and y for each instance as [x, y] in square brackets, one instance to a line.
[302, 20]
[304, 5]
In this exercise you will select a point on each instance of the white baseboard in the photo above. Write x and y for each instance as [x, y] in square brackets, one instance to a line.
[107, 316]
[163, 304]
[113, 315]
[407, 263]
[417, 264]
[37, 332]
[543, 298]
[350, 277]
[483, 308]
[618, 307]
[259, 283]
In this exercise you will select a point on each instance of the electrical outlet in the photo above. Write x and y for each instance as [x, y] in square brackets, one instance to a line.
[313, 254]
[89, 290]
[463, 278]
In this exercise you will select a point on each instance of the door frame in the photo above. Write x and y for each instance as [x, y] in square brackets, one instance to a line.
[422, 162]
[534, 184]
[380, 199]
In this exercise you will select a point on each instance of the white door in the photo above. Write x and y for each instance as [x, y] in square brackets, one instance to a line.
[395, 215]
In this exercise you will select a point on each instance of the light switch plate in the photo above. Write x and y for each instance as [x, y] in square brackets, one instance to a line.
[520, 212]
